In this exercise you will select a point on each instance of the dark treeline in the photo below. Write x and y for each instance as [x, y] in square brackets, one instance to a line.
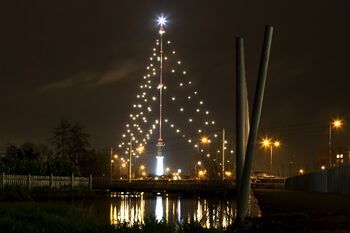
[68, 151]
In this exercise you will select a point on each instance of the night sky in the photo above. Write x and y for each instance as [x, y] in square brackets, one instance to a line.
[83, 60]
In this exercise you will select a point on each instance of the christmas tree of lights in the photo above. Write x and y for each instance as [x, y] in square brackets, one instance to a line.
[166, 90]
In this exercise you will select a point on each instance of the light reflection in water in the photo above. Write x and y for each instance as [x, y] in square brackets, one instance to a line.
[159, 208]
[210, 212]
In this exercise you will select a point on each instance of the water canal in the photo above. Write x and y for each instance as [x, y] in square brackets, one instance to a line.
[172, 208]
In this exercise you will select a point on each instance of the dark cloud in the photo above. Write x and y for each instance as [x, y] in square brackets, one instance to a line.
[114, 74]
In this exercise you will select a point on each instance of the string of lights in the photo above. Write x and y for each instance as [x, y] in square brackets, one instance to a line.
[176, 94]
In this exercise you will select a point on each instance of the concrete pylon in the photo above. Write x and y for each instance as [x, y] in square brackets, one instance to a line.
[244, 184]
[242, 110]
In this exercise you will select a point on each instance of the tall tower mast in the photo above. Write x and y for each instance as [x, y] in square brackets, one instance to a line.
[161, 22]
[160, 144]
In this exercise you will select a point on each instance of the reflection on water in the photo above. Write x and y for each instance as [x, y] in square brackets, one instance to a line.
[210, 212]
[159, 208]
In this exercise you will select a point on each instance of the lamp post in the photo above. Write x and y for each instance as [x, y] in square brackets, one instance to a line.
[268, 143]
[142, 170]
[223, 155]
[337, 123]
[111, 161]
[196, 169]
[205, 140]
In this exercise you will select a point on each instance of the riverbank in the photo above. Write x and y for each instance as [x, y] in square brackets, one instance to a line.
[293, 211]
[45, 194]
[33, 217]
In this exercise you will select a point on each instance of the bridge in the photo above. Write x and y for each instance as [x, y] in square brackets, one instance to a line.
[189, 186]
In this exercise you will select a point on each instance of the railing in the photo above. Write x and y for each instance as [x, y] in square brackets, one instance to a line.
[55, 182]
[165, 185]
[332, 180]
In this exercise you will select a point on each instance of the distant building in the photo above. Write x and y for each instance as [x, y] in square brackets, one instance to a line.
[340, 155]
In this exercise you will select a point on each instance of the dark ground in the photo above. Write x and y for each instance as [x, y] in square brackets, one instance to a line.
[293, 211]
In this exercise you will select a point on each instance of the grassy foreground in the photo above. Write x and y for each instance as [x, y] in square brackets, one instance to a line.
[31, 217]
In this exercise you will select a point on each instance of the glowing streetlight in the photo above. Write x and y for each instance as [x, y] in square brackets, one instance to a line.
[140, 149]
[268, 143]
[204, 140]
[277, 144]
[337, 124]
[142, 167]
[301, 171]
[196, 168]
[167, 170]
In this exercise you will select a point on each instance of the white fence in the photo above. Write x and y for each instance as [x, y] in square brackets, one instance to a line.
[55, 182]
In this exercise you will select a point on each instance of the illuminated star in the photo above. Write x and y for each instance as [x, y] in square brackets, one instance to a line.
[161, 20]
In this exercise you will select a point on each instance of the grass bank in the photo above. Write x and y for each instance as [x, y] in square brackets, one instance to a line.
[43, 194]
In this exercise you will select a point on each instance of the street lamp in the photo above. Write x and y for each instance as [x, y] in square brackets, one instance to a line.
[337, 123]
[196, 168]
[268, 143]
[113, 158]
[142, 170]
[204, 140]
